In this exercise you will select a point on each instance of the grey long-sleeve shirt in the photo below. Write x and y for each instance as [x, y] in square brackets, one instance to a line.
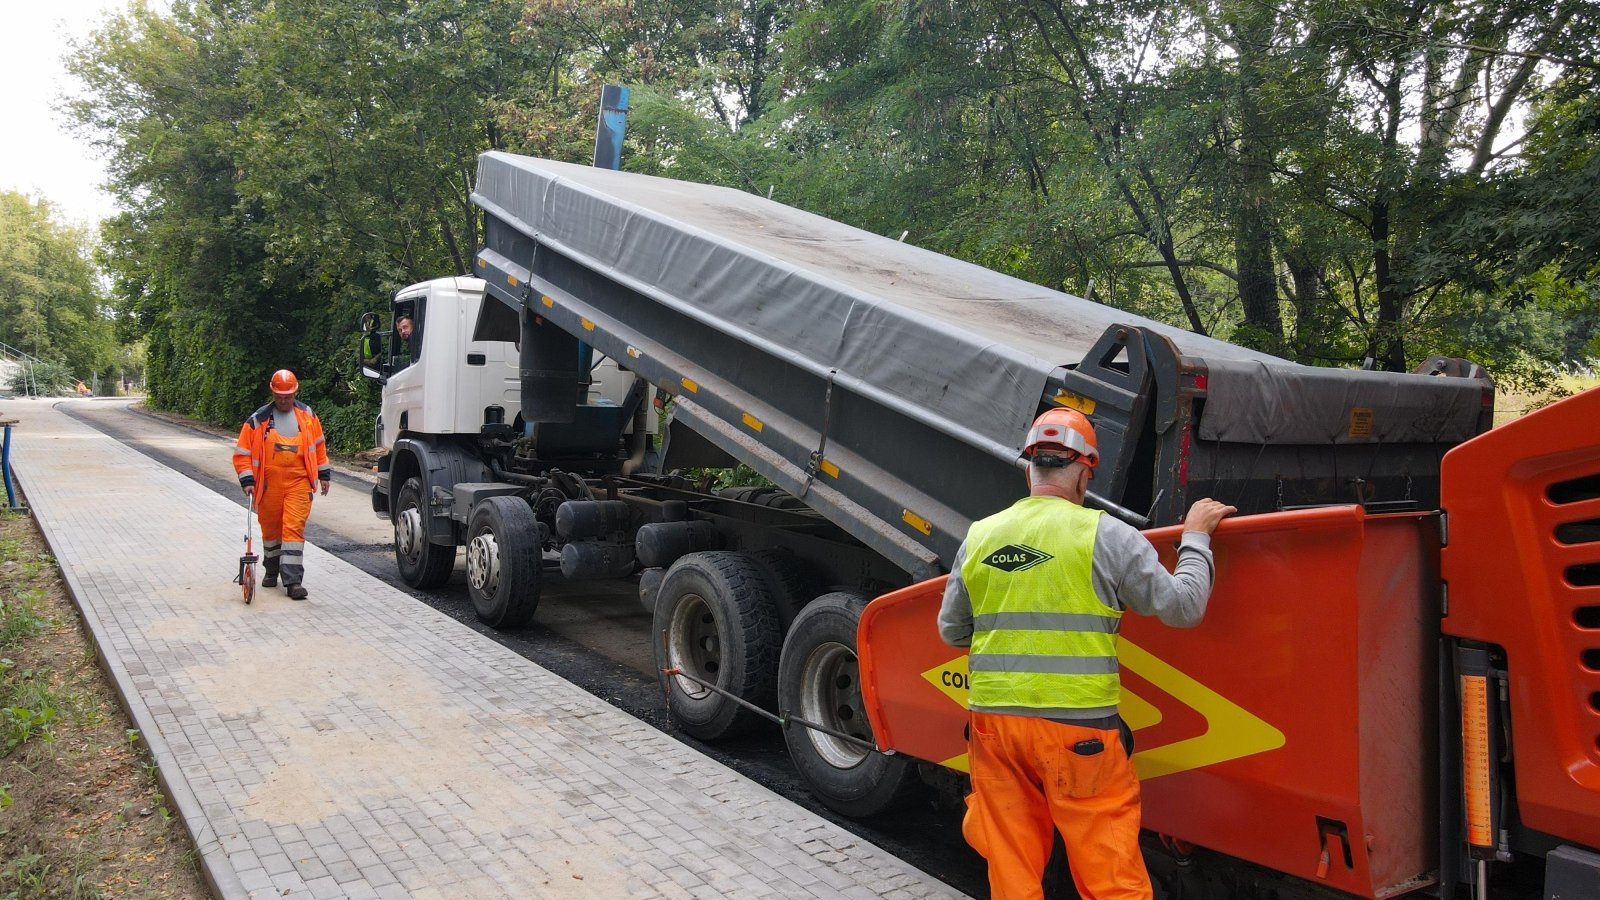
[1127, 574]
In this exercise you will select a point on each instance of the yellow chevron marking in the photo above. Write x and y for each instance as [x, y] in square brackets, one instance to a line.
[1232, 732]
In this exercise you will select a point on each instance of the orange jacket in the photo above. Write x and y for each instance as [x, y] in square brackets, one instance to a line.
[250, 453]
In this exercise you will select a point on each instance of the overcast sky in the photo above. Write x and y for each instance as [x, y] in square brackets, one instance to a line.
[38, 154]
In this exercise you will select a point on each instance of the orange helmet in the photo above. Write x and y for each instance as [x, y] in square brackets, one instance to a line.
[284, 382]
[1067, 430]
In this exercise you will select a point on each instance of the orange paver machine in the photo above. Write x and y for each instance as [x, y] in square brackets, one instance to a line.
[1375, 702]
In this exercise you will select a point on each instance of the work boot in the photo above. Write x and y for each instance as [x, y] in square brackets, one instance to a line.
[296, 591]
[269, 580]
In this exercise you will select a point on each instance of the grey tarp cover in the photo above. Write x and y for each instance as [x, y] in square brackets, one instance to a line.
[965, 343]
[1251, 403]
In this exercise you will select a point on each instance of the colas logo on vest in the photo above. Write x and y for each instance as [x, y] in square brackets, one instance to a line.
[1016, 558]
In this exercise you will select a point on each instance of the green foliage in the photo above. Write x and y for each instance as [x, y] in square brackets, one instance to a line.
[19, 620]
[50, 305]
[27, 874]
[43, 379]
[1326, 181]
[28, 702]
[20, 724]
[277, 191]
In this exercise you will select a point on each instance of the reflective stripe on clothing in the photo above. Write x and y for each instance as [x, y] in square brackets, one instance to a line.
[1041, 637]
[240, 451]
[1046, 621]
[1042, 664]
[255, 436]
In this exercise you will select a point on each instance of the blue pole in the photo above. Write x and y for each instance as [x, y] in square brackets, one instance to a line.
[5, 469]
[613, 124]
[608, 135]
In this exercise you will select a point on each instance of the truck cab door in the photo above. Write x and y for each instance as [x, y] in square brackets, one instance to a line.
[403, 391]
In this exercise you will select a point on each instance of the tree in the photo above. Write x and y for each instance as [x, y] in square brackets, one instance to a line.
[50, 305]
[1424, 91]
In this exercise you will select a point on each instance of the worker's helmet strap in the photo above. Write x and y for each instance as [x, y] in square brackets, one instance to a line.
[1056, 460]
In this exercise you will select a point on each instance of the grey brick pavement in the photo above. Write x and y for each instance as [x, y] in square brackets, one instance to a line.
[363, 745]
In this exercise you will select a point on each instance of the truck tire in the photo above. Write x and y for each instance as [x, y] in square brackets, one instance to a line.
[794, 584]
[818, 681]
[772, 497]
[422, 564]
[716, 618]
[504, 561]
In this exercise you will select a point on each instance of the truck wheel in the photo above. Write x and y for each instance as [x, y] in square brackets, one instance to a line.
[794, 584]
[818, 680]
[422, 564]
[504, 559]
[716, 619]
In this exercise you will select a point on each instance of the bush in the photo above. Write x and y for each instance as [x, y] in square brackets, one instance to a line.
[44, 379]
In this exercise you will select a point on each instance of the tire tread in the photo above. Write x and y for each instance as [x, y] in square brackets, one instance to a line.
[437, 560]
[521, 561]
[746, 586]
[878, 785]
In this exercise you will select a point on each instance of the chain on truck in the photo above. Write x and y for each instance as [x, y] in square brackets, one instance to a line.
[1397, 688]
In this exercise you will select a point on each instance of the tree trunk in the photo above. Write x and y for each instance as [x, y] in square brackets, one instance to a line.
[1180, 284]
[1309, 317]
[1389, 339]
[1263, 322]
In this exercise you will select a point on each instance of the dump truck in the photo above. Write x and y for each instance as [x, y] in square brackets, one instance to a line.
[627, 338]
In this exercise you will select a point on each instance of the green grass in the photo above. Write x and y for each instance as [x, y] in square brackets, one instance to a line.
[29, 704]
[1510, 405]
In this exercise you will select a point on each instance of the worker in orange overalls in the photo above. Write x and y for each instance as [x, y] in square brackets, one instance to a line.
[281, 454]
[1037, 592]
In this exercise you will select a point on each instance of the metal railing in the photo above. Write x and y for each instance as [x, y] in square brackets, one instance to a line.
[30, 385]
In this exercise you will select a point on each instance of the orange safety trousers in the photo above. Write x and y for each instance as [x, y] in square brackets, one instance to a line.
[284, 508]
[1026, 781]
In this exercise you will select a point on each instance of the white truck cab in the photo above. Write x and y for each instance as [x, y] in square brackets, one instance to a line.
[460, 369]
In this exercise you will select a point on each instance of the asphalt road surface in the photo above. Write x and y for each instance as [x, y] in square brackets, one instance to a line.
[593, 633]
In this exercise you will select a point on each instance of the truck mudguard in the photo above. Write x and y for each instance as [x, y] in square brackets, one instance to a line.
[439, 465]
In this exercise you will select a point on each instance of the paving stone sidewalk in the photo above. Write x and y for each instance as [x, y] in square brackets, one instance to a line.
[362, 745]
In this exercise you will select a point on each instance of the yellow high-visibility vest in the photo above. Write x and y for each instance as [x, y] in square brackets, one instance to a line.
[1041, 638]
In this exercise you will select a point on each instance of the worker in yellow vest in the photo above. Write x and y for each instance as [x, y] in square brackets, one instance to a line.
[281, 458]
[1037, 592]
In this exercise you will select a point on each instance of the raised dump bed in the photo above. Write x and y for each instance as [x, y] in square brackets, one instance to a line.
[890, 386]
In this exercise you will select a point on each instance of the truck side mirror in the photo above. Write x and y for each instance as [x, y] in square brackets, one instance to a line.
[372, 358]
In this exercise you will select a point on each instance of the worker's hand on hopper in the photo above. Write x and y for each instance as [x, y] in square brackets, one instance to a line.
[325, 483]
[1205, 514]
